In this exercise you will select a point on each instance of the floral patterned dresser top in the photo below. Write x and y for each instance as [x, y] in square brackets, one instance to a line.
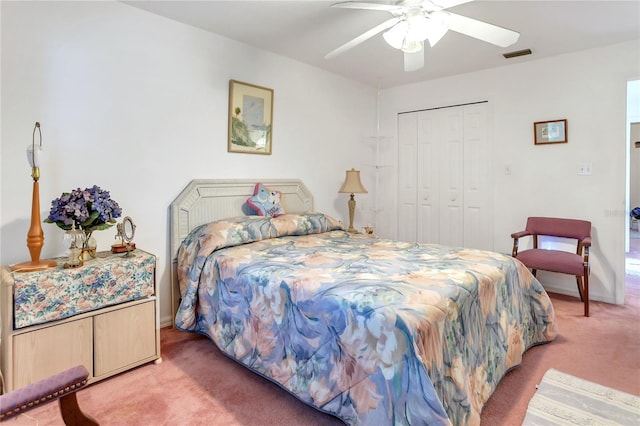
[57, 293]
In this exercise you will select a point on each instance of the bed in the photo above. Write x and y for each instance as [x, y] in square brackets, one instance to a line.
[372, 331]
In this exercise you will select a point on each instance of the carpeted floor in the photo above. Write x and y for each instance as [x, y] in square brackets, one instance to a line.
[197, 385]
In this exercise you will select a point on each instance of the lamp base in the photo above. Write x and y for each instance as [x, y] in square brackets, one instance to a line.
[34, 266]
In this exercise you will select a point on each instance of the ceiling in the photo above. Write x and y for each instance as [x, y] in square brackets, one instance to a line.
[307, 30]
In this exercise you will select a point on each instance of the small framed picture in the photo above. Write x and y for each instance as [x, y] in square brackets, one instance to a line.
[250, 118]
[546, 132]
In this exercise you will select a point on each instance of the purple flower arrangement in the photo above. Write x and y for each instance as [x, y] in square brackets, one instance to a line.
[91, 209]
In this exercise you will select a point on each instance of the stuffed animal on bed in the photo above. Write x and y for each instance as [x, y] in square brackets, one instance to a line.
[265, 202]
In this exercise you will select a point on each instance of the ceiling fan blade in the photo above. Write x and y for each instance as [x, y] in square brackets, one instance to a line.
[433, 5]
[363, 37]
[413, 61]
[481, 30]
[368, 6]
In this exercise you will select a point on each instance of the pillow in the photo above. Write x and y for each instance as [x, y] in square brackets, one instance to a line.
[265, 202]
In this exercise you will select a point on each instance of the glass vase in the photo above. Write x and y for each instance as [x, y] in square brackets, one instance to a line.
[89, 246]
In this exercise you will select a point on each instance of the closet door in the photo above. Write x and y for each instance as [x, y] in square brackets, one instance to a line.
[428, 177]
[451, 141]
[444, 169]
[478, 212]
[407, 176]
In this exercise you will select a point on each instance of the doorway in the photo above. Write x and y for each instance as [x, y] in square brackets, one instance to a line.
[632, 237]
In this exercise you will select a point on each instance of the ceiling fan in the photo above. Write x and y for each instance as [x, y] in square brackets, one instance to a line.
[415, 21]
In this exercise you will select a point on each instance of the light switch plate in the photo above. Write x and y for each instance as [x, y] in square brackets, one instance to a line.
[584, 169]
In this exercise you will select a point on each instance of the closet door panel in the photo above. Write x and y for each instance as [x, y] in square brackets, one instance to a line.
[473, 227]
[477, 194]
[451, 235]
[407, 176]
[407, 220]
[451, 140]
[428, 174]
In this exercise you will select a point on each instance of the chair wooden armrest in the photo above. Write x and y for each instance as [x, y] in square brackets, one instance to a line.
[520, 234]
[62, 386]
[516, 236]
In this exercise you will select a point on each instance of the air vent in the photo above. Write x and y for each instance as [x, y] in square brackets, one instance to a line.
[517, 53]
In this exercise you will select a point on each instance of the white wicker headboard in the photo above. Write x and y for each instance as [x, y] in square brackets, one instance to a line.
[206, 200]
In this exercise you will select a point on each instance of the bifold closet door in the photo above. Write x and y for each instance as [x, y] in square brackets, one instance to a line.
[478, 194]
[450, 143]
[444, 196]
[407, 176]
[418, 177]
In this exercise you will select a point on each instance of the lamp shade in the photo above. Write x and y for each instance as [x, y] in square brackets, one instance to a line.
[352, 184]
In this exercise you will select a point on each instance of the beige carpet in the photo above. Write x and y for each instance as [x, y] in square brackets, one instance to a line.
[563, 399]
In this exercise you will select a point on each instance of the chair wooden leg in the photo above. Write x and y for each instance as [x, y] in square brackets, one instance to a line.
[580, 287]
[583, 289]
[586, 294]
[71, 412]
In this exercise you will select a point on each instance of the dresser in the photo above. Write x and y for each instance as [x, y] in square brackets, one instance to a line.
[103, 315]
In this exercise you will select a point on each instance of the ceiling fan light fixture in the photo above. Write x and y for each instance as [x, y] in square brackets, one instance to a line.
[418, 28]
[410, 46]
[413, 61]
[396, 35]
[437, 25]
[402, 38]
[436, 34]
[415, 21]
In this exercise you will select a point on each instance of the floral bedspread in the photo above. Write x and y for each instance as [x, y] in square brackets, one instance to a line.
[373, 331]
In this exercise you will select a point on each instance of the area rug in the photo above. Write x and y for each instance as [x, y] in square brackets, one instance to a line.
[562, 399]
[632, 266]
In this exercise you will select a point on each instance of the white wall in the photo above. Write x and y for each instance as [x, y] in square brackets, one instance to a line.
[137, 104]
[633, 127]
[588, 89]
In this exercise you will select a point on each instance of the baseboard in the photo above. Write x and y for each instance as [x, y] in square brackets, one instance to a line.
[166, 321]
[566, 292]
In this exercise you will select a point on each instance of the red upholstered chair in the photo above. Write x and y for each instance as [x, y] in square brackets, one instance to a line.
[556, 260]
[62, 386]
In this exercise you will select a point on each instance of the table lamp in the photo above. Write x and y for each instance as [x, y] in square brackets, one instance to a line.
[352, 185]
[35, 236]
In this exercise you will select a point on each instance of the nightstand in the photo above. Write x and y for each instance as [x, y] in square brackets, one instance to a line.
[103, 315]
